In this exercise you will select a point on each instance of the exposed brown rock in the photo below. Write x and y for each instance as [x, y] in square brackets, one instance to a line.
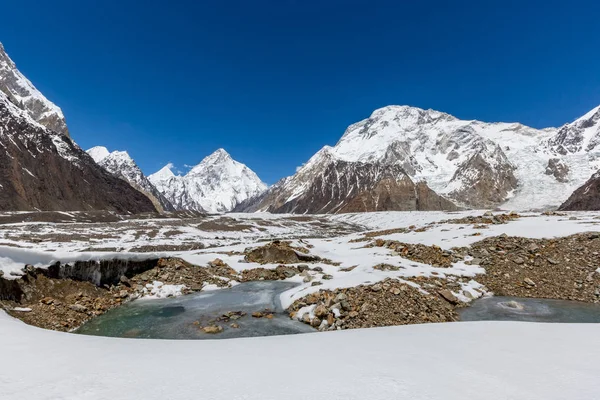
[279, 253]
[383, 304]
[586, 197]
[335, 186]
[561, 268]
[484, 180]
[558, 169]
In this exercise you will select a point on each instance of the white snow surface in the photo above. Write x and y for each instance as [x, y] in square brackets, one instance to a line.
[216, 185]
[452, 361]
[98, 153]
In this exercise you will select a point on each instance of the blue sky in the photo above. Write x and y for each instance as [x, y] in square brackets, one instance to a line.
[274, 81]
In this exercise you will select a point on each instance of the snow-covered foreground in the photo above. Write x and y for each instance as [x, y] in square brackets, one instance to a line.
[491, 360]
[479, 360]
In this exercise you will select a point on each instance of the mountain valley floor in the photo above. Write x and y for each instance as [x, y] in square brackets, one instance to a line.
[365, 270]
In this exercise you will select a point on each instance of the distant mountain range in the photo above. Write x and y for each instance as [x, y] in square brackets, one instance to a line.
[400, 158]
[471, 163]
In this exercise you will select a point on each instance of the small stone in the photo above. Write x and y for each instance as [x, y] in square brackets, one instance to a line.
[395, 291]
[257, 314]
[346, 306]
[78, 308]
[303, 267]
[306, 318]
[340, 297]
[448, 296]
[318, 269]
[315, 323]
[327, 277]
[518, 260]
[529, 282]
[123, 294]
[125, 281]
[321, 311]
[212, 329]
[217, 262]
[29, 269]
[376, 287]
[330, 319]
[476, 261]
[552, 261]
[47, 300]
[307, 279]
[353, 314]
[234, 325]
[316, 283]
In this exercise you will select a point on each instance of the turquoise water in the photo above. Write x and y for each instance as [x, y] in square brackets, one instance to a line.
[182, 317]
[533, 310]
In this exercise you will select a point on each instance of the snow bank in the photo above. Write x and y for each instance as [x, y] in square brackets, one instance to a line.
[454, 361]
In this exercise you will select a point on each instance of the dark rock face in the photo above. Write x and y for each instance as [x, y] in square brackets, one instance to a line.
[484, 180]
[44, 170]
[104, 272]
[558, 169]
[586, 197]
[342, 187]
[125, 168]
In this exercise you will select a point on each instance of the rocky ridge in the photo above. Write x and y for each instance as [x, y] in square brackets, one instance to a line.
[328, 185]
[121, 165]
[21, 92]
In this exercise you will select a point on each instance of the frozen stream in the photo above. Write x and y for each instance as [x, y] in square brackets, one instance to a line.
[528, 309]
[182, 317]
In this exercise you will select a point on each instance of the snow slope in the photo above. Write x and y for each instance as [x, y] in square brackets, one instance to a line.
[453, 361]
[217, 184]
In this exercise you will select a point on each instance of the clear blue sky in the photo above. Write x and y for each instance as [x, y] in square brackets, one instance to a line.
[274, 81]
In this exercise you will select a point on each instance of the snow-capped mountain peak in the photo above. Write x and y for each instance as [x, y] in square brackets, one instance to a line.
[21, 92]
[580, 136]
[218, 157]
[162, 174]
[98, 153]
[217, 184]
